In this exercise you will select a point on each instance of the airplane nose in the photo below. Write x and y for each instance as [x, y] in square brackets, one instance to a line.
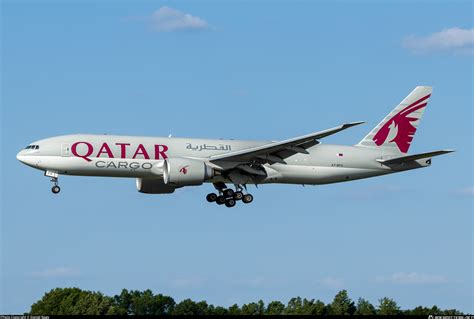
[20, 156]
[26, 159]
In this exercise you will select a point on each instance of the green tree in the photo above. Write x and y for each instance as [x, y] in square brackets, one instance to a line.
[72, 301]
[141, 302]
[419, 311]
[451, 312]
[217, 311]
[145, 303]
[275, 308]
[298, 306]
[92, 304]
[435, 311]
[294, 306]
[121, 304]
[189, 307]
[388, 306]
[319, 308]
[162, 305]
[235, 310]
[342, 304]
[364, 307]
[311, 307]
[253, 308]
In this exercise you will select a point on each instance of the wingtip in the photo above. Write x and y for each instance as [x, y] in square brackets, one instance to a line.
[353, 123]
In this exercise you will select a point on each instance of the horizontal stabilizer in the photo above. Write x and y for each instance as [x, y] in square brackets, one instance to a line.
[414, 157]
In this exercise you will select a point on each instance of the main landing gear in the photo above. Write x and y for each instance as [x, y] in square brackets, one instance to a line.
[228, 196]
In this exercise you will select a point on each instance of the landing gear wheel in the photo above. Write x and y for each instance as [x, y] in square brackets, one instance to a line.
[238, 195]
[228, 192]
[247, 198]
[56, 189]
[220, 200]
[230, 202]
[211, 197]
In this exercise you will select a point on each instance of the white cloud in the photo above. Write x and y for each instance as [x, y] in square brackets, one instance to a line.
[188, 282]
[332, 283]
[57, 272]
[254, 282]
[167, 19]
[453, 39]
[469, 191]
[411, 278]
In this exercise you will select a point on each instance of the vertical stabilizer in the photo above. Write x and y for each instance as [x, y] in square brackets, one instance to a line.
[396, 131]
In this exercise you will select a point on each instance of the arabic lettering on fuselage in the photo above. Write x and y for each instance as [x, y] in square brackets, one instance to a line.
[205, 147]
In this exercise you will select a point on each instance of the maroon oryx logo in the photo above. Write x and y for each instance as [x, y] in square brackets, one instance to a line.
[184, 170]
[402, 122]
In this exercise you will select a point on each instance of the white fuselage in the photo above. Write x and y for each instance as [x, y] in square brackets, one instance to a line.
[142, 157]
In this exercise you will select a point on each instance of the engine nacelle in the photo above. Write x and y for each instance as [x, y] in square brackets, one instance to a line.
[179, 171]
[153, 186]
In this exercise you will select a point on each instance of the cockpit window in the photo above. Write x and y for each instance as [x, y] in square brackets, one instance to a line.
[32, 147]
[37, 147]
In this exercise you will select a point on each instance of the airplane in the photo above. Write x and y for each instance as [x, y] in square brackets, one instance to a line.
[163, 164]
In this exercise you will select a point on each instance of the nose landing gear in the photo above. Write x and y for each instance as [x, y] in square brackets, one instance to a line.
[56, 189]
[228, 196]
[54, 179]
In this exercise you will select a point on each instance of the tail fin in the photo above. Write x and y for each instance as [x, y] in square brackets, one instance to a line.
[396, 131]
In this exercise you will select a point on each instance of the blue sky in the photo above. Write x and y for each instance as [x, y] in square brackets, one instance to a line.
[250, 70]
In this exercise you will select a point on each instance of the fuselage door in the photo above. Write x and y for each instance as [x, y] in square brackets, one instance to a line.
[65, 149]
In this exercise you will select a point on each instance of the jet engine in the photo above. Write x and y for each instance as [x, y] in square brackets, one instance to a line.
[153, 186]
[179, 171]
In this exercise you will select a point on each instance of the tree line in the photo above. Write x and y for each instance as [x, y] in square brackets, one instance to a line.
[74, 301]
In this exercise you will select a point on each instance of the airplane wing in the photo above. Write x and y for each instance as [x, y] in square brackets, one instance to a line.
[414, 157]
[276, 152]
